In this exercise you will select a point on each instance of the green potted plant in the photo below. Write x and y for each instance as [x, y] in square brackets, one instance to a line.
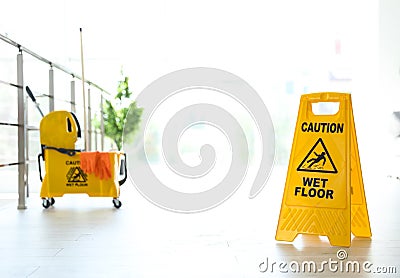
[115, 112]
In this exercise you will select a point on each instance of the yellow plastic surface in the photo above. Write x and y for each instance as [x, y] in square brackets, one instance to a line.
[58, 129]
[64, 175]
[324, 190]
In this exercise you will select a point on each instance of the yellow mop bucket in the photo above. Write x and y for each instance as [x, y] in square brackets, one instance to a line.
[71, 171]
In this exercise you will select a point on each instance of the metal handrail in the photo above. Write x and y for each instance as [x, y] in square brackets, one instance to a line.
[52, 64]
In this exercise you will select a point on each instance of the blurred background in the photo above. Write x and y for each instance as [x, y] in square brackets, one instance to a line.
[281, 48]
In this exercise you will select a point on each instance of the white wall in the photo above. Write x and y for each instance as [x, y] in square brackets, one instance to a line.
[389, 78]
[389, 51]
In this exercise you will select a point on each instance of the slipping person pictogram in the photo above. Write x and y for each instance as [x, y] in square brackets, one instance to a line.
[317, 159]
[75, 174]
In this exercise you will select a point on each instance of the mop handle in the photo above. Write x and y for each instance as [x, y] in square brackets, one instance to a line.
[84, 98]
[30, 94]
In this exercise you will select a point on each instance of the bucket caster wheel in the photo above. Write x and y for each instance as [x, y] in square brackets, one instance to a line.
[117, 203]
[46, 203]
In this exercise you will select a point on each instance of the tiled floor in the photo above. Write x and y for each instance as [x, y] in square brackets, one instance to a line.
[87, 237]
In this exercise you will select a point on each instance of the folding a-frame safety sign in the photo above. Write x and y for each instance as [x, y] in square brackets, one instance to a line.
[324, 190]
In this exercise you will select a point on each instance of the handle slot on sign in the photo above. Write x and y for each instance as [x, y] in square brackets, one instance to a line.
[325, 108]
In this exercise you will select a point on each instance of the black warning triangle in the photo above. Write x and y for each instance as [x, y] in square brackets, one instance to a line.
[76, 175]
[318, 159]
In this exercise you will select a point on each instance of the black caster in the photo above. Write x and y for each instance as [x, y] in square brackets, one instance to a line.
[46, 203]
[117, 203]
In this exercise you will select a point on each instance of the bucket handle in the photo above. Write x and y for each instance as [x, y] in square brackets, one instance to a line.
[40, 166]
[123, 170]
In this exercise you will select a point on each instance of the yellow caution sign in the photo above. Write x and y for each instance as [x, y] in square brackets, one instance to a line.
[324, 190]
